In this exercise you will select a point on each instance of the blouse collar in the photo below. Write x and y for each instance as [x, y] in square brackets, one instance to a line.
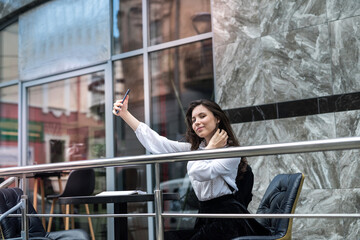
[202, 145]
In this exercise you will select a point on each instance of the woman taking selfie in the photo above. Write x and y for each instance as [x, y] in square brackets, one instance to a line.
[212, 180]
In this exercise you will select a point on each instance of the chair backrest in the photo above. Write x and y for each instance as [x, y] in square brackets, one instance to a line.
[281, 197]
[79, 183]
[11, 226]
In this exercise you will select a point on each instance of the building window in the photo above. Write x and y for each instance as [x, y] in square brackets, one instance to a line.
[173, 19]
[173, 66]
[127, 26]
[66, 119]
[9, 126]
[9, 53]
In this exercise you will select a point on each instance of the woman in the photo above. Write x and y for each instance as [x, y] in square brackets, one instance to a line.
[212, 180]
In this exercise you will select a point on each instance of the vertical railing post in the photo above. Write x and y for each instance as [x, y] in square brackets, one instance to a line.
[24, 218]
[158, 205]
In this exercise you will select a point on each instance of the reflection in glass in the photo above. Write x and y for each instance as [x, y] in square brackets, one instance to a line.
[66, 119]
[66, 123]
[9, 126]
[127, 25]
[9, 53]
[174, 19]
[63, 36]
[128, 73]
[178, 76]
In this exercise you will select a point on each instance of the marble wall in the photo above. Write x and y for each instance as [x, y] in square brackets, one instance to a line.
[275, 51]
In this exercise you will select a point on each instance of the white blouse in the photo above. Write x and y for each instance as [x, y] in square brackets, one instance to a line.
[207, 176]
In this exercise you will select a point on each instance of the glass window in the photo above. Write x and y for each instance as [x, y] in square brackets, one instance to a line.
[173, 19]
[9, 126]
[9, 53]
[63, 36]
[127, 25]
[178, 76]
[66, 120]
[66, 123]
[128, 74]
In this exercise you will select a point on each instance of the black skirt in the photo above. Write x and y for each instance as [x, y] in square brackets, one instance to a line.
[220, 228]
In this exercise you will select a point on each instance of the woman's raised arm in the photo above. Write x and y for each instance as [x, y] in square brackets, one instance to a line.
[150, 139]
[121, 109]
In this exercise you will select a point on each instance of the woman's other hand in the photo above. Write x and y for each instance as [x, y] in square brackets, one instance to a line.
[218, 140]
[121, 108]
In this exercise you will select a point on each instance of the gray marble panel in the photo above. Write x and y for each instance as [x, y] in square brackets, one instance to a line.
[238, 74]
[321, 169]
[234, 20]
[325, 202]
[260, 168]
[351, 229]
[345, 47]
[350, 199]
[251, 133]
[349, 168]
[313, 127]
[319, 201]
[9, 6]
[297, 64]
[313, 202]
[279, 16]
[320, 229]
[347, 123]
[339, 9]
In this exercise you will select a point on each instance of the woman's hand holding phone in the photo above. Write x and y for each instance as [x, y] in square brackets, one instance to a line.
[121, 106]
[121, 109]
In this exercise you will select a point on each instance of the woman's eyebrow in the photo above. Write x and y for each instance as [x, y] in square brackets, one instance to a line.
[200, 113]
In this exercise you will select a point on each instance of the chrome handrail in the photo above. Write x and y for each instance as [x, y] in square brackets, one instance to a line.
[248, 151]
[200, 215]
[8, 182]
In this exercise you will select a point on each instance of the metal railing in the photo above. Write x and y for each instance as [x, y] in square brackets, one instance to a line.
[8, 182]
[249, 151]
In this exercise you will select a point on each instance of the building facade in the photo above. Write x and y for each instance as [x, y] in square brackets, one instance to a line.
[285, 71]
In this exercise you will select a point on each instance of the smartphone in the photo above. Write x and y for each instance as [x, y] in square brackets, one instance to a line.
[127, 92]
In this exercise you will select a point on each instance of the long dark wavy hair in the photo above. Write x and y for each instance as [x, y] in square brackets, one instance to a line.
[224, 124]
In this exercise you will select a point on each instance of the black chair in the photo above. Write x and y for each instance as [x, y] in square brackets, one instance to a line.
[10, 227]
[280, 198]
[39, 180]
[79, 183]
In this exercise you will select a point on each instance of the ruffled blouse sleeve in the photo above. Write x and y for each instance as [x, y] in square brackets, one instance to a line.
[155, 143]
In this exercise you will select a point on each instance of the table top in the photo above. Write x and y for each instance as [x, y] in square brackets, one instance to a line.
[116, 198]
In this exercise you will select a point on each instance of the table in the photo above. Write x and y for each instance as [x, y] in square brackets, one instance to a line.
[120, 206]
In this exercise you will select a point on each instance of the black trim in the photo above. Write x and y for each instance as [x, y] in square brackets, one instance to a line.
[251, 114]
[304, 107]
[298, 108]
[13, 16]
